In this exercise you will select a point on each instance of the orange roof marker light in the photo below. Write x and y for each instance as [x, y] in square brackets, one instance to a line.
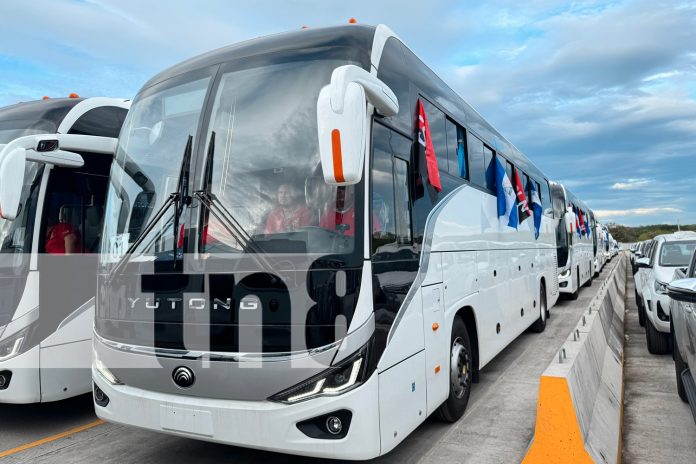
[352, 21]
[46, 97]
[304, 27]
[73, 95]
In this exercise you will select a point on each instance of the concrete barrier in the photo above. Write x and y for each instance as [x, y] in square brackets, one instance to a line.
[580, 405]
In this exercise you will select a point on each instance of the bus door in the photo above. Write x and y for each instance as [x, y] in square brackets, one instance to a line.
[68, 243]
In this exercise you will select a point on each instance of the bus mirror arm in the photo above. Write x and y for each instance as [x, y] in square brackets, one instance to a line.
[13, 157]
[378, 93]
[342, 121]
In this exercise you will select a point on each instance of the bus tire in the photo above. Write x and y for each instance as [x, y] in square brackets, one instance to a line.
[574, 295]
[461, 374]
[658, 342]
[540, 324]
[679, 367]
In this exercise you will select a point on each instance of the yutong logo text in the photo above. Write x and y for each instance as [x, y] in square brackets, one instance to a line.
[247, 303]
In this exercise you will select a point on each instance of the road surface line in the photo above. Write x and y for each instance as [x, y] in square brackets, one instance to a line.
[43, 441]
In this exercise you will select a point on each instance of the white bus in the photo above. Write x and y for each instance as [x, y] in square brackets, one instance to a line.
[55, 157]
[574, 241]
[601, 243]
[280, 271]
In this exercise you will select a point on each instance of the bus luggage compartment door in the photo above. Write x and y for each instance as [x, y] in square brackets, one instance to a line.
[437, 339]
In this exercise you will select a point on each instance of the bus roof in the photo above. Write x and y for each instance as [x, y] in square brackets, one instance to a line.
[353, 36]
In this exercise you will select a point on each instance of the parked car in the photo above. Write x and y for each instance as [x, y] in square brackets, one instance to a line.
[682, 294]
[668, 253]
[638, 277]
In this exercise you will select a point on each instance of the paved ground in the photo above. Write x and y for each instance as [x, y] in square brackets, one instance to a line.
[497, 427]
[658, 426]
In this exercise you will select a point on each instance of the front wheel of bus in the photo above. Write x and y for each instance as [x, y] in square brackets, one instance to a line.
[461, 370]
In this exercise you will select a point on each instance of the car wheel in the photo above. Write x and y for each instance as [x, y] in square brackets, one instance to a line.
[461, 374]
[658, 342]
[540, 324]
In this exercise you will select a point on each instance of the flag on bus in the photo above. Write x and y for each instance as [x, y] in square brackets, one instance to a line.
[522, 206]
[576, 212]
[427, 143]
[507, 206]
[536, 210]
[587, 227]
[582, 228]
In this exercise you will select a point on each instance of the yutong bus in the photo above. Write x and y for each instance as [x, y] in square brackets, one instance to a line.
[279, 271]
[51, 208]
[574, 241]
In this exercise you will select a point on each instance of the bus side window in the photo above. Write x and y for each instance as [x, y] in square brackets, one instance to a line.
[509, 170]
[489, 166]
[436, 122]
[391, 212]
[456, 150]
[477, 172]
[103, 121]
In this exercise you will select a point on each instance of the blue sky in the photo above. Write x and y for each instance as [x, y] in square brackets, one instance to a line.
[601, 95]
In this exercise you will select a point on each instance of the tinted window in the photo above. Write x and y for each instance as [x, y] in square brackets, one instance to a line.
[508, 170]
[436, 121]
[103, 121]
[477, 173]
[676, 253]
[456, 160]
[545, 194]
[391, 219]
[489, 167]
[392, 71]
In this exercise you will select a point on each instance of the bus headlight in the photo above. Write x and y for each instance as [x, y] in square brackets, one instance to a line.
[565, 274]
[12, 346]
[336, 380]
[104, 371]
[660, 287]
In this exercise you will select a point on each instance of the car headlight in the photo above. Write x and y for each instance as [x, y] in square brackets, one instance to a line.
[13, 345]
[339, 379]
[104, 371]
[660, 287]
[565, 274]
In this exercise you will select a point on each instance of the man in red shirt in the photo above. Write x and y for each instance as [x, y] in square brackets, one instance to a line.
[63, 238]
[289, 214]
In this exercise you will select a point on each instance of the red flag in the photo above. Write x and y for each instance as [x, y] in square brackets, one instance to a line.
[582, 221]
[522, 205]
[427, 143]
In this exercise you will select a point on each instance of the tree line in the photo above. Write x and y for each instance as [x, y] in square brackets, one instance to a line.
[627, 234]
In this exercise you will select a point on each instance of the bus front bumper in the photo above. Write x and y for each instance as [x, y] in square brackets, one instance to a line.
[21, 380]
[262, 425]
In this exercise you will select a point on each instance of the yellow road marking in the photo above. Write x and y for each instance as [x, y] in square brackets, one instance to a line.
[43, 441]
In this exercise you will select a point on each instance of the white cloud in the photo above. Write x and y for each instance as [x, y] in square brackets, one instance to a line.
[631, 184]
[608, 213]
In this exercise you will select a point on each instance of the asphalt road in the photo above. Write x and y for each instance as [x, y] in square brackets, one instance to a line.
[497, 427]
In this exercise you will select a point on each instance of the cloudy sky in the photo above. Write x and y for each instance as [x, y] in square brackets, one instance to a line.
[601, 95]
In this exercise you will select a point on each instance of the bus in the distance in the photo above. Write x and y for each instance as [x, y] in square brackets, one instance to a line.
[313, 245]
[574, 241]
[55, 157]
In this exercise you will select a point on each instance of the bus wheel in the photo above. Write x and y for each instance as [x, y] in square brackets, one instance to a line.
[540, 323]
[461, 373]
[574, 295]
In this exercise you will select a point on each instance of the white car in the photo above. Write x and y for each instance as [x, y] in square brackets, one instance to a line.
[668, 253]
[638, 278]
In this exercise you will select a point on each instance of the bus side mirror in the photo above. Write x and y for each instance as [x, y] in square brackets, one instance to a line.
[342, 121]
[13, 157]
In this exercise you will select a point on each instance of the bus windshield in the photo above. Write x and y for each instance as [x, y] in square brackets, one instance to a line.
[10, 130]
[265, 165]
[261, 158]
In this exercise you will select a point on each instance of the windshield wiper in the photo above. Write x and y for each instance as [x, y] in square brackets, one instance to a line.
[217, 209]
[179, 199]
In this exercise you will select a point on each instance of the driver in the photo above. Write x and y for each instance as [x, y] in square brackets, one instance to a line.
[289, 214]
[63, 238]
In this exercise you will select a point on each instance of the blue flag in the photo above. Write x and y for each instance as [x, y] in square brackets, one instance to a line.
[536, 211]
[507, 202]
